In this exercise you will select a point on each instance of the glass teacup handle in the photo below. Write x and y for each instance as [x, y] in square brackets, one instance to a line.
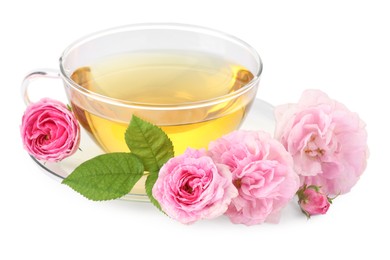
[34, 75]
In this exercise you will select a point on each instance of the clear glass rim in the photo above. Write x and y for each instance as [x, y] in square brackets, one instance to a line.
[175, 26]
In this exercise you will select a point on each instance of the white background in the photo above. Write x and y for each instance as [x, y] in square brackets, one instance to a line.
[340, 47]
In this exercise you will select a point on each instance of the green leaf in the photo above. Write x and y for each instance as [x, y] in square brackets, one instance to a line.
[106, 177]
[149, 143]
[149, 183]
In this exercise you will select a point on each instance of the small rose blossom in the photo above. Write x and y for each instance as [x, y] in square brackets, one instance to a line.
[262, 172]
[191, 187]
[312, 201]
[49, 130]
[327, 141]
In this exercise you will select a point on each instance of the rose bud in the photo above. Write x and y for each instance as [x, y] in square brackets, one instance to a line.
[312, 201]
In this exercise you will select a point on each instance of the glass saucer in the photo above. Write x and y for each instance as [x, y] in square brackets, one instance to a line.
[260, 117]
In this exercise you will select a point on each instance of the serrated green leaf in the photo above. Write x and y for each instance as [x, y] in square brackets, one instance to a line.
[149, 183]
[149, 143]
[107, 176]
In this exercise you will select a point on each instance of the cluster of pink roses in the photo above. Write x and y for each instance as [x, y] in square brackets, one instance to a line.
[246, 174]
[250, 176]
[319, 149]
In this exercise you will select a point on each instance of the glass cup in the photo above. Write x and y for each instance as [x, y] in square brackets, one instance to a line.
[213, 80]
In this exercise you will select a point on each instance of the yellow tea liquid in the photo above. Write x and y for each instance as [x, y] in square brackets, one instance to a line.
[161, 79]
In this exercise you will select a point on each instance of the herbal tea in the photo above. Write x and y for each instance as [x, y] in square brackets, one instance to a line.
[161, 79]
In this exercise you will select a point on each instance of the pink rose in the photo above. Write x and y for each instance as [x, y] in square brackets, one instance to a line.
[312, 201]
[49, 130]
[262, 172]
[191, 187]
[327, 141]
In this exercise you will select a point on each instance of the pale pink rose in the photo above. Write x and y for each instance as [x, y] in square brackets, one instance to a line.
[191, 187]
[327, 141]
[49, 130]
[312, 201]
[262, 172]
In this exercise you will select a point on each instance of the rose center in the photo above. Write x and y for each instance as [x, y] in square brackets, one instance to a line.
[312, 149]
[187, 188]
[237, 183]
